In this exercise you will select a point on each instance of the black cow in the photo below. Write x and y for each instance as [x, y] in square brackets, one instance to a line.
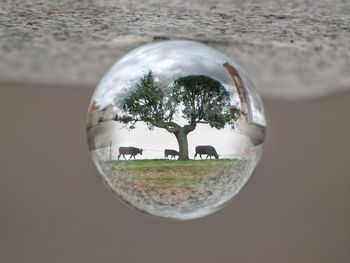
[132, 151]
[172, 153]
[206, 149]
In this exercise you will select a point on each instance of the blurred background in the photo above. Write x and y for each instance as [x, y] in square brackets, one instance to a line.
[54, 206]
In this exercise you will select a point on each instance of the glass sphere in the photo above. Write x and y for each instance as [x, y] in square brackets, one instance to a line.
[176, 129]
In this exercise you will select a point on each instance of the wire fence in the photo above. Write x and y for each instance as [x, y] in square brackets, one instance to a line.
[111, 152]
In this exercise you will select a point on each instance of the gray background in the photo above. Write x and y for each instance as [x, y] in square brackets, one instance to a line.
[54, 207]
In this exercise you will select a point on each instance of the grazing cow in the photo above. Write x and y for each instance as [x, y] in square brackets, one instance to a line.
[206, 149]
[132, 151]
[172, 153]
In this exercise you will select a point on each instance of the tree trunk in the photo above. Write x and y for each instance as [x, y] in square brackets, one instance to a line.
[181, 136]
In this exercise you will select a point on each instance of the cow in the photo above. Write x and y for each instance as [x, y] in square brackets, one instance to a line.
[172, 153]
[206, 149]
[132, 151]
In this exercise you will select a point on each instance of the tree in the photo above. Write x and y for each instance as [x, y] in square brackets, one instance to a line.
[198, 98]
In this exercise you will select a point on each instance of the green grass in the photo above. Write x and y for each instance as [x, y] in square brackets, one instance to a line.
[161, 173]
[162, 163]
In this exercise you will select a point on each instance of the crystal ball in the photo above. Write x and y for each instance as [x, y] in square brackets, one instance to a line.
[176, 129]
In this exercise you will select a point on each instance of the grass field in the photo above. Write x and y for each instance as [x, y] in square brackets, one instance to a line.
[162, 173]
[157, 163]
[173, 188]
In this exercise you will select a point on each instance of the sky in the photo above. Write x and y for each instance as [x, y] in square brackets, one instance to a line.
[168, 63]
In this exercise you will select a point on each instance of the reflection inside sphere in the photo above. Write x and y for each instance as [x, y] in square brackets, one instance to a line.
[176, 129]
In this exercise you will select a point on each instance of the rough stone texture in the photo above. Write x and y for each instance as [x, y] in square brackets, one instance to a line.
[291, 49]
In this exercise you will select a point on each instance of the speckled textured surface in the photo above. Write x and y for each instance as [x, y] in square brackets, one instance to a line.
[291, 49]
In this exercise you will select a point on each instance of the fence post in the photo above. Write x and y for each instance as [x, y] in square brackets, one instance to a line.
[110, 150]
